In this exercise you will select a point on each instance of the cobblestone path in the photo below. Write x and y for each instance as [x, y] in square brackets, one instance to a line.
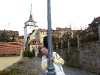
[67, 70]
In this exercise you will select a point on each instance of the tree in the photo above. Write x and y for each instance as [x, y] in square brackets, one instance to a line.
[4, 37]
[54, 41]
[45, 41]
[66, 36]
[13, 38]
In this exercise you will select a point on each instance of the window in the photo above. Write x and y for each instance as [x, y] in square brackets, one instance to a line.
[36, 33]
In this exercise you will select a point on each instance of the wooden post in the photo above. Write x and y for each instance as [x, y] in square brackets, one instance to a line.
[78, 41]
[99, 30]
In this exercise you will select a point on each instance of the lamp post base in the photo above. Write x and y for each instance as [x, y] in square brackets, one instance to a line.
[51, 71]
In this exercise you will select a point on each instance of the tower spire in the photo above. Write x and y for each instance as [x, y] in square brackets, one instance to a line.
[31, 17]
[31, 11]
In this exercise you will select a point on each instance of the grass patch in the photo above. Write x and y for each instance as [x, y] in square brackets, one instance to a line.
[13, 71]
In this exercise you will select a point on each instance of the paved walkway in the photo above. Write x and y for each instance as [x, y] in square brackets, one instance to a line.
[67, 70]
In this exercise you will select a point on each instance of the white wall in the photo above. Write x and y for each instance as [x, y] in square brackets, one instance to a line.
[25, 34]
[28, 29]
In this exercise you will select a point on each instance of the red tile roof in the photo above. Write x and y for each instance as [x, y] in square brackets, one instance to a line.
[10, 32]
[55, 33]
[92, 24]
[42, 30]
[10, 48]
[33, 42]
[21, 37]
[76, 32]
[98, 18]
[63, 29]
[30, 20]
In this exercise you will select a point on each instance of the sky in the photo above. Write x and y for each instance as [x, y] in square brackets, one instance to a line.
[64, 13]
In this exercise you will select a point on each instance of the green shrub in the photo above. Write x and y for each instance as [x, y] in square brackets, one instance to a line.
[15, 71]
[27, 53]
[4, 72]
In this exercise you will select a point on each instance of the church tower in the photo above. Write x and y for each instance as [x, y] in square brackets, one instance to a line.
[29, 25]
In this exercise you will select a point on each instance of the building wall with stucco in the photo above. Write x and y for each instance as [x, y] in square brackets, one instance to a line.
[8, 61]
[41, 36]
[33, 35]
[37, 34]
[35, 47]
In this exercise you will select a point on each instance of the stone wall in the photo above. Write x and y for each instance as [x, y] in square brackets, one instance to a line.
[86, 57]
[90, 56]
[71, 57]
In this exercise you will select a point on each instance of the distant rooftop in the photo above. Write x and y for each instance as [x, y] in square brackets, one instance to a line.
[10, 32]
[10, 48]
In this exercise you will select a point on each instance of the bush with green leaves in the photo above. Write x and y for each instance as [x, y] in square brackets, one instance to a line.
[13, 71]
[4, 72]
[27, 53]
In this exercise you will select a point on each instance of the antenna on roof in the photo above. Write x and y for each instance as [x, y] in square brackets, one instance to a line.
[8, 26]
[70, 26]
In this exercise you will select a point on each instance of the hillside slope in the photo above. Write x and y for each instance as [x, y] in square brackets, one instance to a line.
[26, 65]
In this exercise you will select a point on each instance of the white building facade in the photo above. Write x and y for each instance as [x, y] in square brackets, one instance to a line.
[29, 25]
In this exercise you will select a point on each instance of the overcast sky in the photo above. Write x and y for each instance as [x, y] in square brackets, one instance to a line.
[77, 13]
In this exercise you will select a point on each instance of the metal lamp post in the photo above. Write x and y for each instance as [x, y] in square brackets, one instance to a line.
[50, 47]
